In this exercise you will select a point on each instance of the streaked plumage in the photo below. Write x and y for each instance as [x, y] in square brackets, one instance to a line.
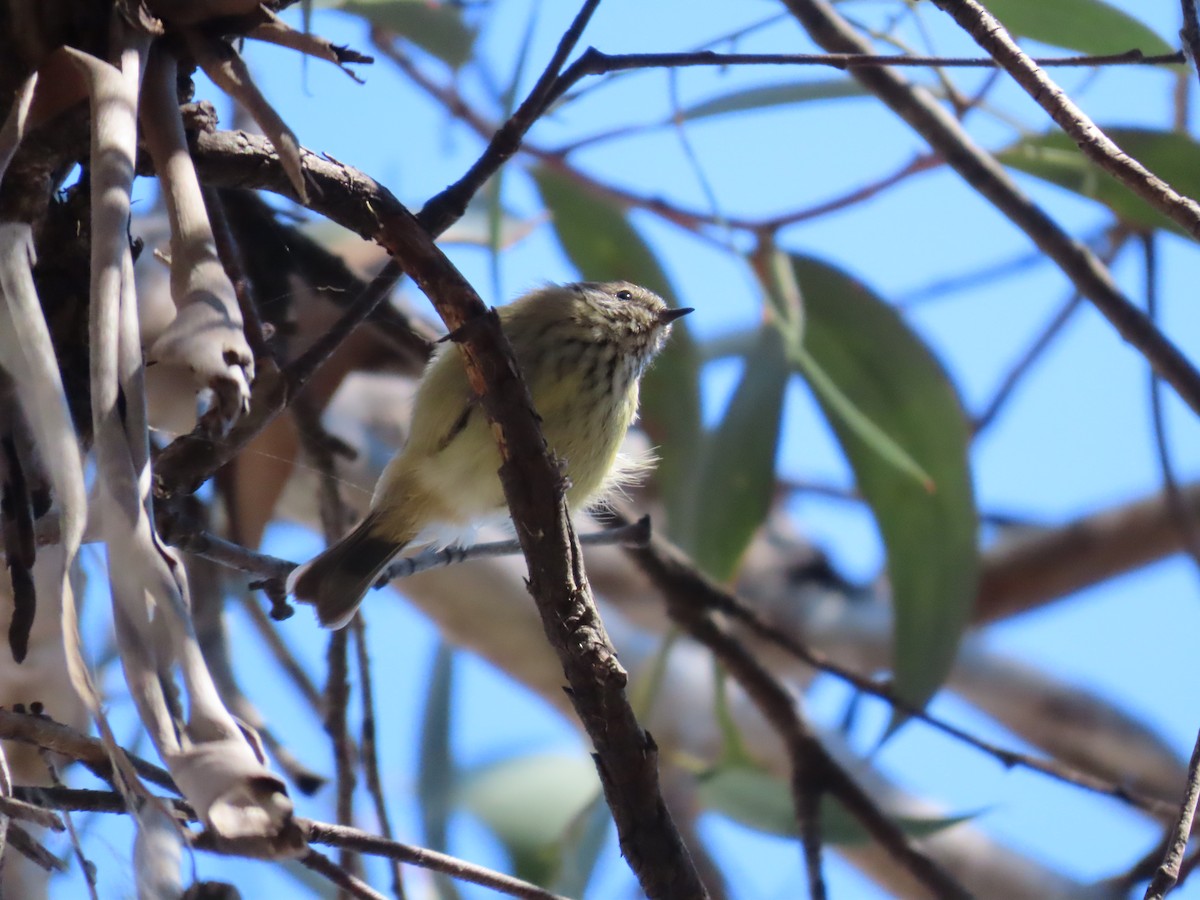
[582, 349]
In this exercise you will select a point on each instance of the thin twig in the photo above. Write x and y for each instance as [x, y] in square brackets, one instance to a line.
[314, 832]
[1095, 144]
[283, 654]
[30, 812]
[915, 166]
[337, 684]
[813, 769]
[1190, 33]
[1185, 521]
[1025, 362]
[1053, 328]
[960, 282]
[368, 750]
[231, 258]
[595, 62]
[1167, 873]
[86, 866]
[361, 841]
[691, 583]
[448, 206]
[1188, 867]
[66, 741]
[634, 534]
[347, 883]
[203, 543]
[983, 173]
[24, 843]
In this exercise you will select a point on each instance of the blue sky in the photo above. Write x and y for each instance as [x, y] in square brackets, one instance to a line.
[1075, 438]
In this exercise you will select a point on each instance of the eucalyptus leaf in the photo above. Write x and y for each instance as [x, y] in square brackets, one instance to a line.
[835, 401]
[763, 801]
[581, 847]
[929, 529]
[494, 191]
[1054, 157]
[529, 802]
[736, 478]
[596, 236]
[773, 95]
[1089, 26]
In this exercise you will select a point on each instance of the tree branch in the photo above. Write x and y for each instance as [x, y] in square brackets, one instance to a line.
[992, 36]
[683, 589]
[985, 175]
[625, 755]
[680, 576]
[1029, 570]
[314, 832]
[447, 207]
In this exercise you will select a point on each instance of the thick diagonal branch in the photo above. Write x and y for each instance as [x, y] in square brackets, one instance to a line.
[625, 755]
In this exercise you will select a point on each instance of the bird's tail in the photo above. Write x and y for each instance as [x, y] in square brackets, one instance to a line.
[336, 580]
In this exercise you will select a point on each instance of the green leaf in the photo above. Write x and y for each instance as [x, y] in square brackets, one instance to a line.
[596, 236]
[1054, 157]
[437, 28]
[750, 797]
[437, 772]
[1088, 26]
[770, 95]
[493, 193]
[843, 409]
[733, 745]
[736, 478]
[581, 848]
[763, 801]
[889, 376]
[529, 802]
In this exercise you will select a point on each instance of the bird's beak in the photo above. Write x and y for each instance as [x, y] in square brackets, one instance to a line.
[667, 316]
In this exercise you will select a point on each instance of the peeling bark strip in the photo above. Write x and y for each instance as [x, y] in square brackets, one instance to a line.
[208, 756]
[27, 354]
[228, 71]
[206, 340]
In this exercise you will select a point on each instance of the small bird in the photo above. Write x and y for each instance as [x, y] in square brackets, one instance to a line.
[582, 349]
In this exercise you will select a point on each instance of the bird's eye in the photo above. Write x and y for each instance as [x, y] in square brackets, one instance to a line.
[624, 295]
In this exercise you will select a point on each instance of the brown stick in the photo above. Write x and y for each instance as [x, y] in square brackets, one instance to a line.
[1026, 572]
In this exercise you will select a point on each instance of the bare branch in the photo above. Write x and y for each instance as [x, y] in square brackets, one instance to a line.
[813, 769]
[683, 579]
[368, 750]
[1033, 567]
[449, 205]
[1167, 873]
[314, 832]
[993, 37]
